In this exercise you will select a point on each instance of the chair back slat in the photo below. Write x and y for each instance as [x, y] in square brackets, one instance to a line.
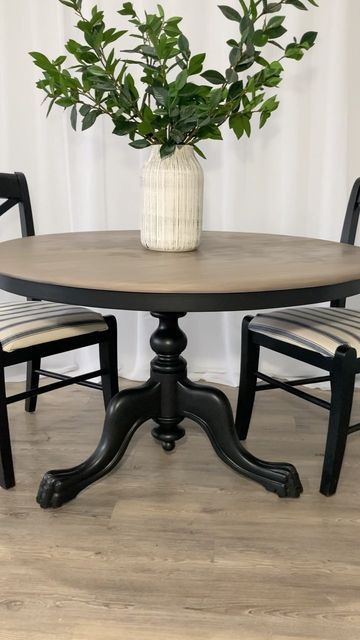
[8, 204]
[9, 186]
[349, 230]
[14, 190]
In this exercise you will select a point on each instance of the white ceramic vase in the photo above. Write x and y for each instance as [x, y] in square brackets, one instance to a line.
[173, 190]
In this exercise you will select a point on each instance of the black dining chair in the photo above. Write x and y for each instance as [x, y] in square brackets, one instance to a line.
[31, 330]
[328, 338]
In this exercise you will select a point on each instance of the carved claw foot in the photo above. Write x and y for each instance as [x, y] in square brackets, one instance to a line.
[52, 493]
[288, 486]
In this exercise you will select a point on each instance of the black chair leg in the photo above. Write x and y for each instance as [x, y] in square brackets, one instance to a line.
[247, 387]
[32, 382]
[7, 477]
[109, 361]
[342, 388]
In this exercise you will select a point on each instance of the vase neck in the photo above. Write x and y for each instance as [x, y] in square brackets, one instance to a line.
[181, 151]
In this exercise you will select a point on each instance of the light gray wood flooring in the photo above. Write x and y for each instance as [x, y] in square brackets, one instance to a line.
[178, 547]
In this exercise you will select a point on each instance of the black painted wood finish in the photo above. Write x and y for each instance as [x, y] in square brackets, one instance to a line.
[14, 191]
[342, 369]
[167, 397]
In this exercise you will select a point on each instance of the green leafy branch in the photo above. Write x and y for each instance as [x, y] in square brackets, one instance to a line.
[171, 105]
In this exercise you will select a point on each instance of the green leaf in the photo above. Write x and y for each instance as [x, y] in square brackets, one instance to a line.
[215, 97]
[147, 114]
[147, 51]
[276, 44]
[127, 10]
[199, 152]
[214, 77]
[64, 102]
[183, 44]
[42, 61]
[230, 13]
[95, 70]
[236, 123]
[73, 47]
[59, 61]
[308, 39]
[276, 66]
[174, 20]
[52, 102]
[196, 64]
[272, 81]
[247, 125]
[192, 90]
[276, 32]
[69, 3]
[124, 127]
[236, 89]
[145, 128]
[271, 104]
[235, 56]
[167, 149]
[264, 116]
[294, 51]
[210, 131]
[260, 38]
[296, 3]
[111, 35]
[171, 27]
[73, 117]
[129, 83]
[275, 21]
[231, 75]
[161, 95]
[89, 119]
[273, 7]
[84, 109]
[140, 144]
[246, 63]
[177, 136]
[161, 11]
[181, 80]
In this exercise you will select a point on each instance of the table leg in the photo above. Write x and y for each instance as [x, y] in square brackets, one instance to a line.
[210, 408]
[168, 397]
[126, 412]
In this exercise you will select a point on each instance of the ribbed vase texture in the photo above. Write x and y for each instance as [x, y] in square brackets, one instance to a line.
[173, 190]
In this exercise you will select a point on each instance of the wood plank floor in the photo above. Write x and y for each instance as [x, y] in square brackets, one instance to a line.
[178, 547]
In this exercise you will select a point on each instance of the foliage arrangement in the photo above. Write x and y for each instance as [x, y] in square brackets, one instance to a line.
[176, 101]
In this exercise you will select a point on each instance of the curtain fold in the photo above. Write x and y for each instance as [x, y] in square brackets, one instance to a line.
[293, 177]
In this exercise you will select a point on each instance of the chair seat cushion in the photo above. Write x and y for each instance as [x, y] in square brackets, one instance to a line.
[315, 328]
[26, 324]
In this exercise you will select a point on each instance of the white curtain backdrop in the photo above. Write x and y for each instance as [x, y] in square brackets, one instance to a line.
[293, 177]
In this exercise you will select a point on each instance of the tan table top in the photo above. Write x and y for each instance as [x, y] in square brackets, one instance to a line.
[228, 271]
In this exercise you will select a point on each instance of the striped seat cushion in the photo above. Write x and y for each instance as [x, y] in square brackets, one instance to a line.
[316, 328]
[25, 324]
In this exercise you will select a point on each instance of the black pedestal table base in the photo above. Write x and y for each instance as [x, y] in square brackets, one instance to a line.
[167, 398]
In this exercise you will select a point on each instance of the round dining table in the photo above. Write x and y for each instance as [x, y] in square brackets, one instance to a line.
[228, 272]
